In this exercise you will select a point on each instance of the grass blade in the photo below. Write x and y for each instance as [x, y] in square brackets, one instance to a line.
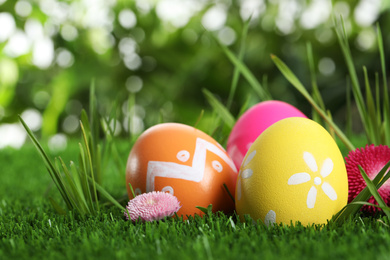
[132, 190]
[348, 124]
[220, 109]
[373, 127]
[353, 207]
[54, 174]
[76, 179]
[356, 90]
[378, 101]
[199, 118]
[106, 194]
[374, 192]
[57, 207]
[84, 178]
[87, 155]
[61, 167]
[253, 82]
[289, 75]
[386, 102]
[316, 93]
[112, 151]
[229, 193]
[236, 73]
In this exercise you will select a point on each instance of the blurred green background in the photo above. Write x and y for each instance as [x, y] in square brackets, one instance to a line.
[151, 59]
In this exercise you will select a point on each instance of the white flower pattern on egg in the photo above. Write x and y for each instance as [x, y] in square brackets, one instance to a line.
[244, 174]
[303, 177]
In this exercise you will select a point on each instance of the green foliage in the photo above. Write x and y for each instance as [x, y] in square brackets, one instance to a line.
[370, 113]
[361, 199]
[220, 109]
[175, 62]
[31, 228]
[40, 233]
[298, 85]
[79, 186]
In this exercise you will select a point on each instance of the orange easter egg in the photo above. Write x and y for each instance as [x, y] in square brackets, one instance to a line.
[185, 162]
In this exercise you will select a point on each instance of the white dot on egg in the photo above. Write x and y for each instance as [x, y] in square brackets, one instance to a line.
[247, 173]
[270, 218]
[317, 180]
[249, 158]
[168, 189]
[217, 166]
[183, 156]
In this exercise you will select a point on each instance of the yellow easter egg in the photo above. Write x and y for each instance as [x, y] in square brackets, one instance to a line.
[294, 171]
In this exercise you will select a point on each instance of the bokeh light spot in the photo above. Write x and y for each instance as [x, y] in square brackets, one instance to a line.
[33, 29]
[8, 26]
[366, 12]
[215, 18]
[58, 143]
[366, 39]
[134, 84]
[23, 8]
[132, 61]
[317, 13]
[69, 32]
[41, 99]
[252, 9]
[70, 124]
[19, 44]
[326, 66]
[12, 135]
[127, 18]
[65, 58]
[127, 46]
[43, 53]
[227, 36]
[33, 119]
[341, 8]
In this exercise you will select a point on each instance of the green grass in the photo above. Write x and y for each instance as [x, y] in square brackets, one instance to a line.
[31, 229]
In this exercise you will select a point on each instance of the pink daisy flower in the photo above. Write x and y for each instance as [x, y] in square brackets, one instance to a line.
[151, 206]
[372, 159]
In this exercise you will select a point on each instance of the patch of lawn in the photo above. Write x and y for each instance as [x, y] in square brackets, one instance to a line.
[31, 229]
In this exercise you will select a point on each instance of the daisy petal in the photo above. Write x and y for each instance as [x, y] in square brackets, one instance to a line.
[311, 197]
[329, 191]
[249, 158]
[247, 173]
[310, 161]
[299, 178]
[327, 167]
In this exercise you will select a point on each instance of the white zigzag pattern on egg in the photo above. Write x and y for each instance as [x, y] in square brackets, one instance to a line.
[195, 172]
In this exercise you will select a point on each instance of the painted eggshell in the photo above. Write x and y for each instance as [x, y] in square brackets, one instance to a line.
[185, 162]
[253, 122]
[294, 171]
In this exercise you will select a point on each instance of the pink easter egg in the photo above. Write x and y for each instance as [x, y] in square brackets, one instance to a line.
[253, 122]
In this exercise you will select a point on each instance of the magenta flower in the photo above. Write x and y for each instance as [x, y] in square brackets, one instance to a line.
[151, 206]
[372, 159]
